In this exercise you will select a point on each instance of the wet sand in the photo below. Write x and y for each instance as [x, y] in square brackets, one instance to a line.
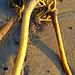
[43, 56]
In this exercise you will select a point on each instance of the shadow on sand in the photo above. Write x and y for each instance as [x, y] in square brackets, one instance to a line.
[50, 54]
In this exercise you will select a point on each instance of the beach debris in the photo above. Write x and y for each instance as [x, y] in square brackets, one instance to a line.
[18, 6]
[5, 68]
[16, 42]
[7, 27]
[51, 14]
[69, 27]
[38, 36]
[59, 40]
[24, 36]
[48, 71]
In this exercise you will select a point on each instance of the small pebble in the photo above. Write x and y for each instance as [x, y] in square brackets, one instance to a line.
[5, 68]
[70, 27]
[48, 71]
[25, 59]
[17, 43]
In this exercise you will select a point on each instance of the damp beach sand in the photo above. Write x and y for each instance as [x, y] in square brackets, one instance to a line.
[43, 56]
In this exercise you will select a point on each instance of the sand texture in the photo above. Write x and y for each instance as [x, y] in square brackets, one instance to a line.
[43, 56]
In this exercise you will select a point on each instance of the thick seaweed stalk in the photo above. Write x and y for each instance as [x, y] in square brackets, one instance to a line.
[60, 44]
[24, 36]
[59, 40]
[7, 26]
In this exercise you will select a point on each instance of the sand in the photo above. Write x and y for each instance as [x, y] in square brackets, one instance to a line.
[43, 56]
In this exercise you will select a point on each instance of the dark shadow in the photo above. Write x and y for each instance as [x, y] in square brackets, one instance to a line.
[50, 54]
[66, 14]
